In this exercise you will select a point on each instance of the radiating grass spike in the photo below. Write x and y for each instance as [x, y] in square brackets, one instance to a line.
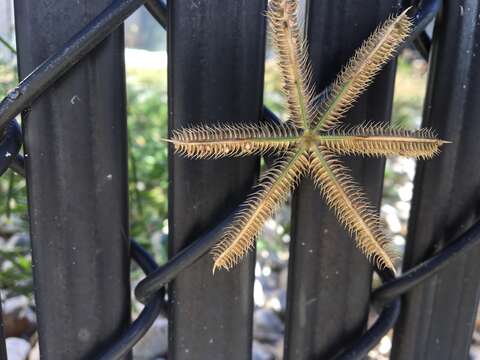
[293, 61]
[382, 140]
[351, 207]
[273, 189]
[361, 69]
[213, 142]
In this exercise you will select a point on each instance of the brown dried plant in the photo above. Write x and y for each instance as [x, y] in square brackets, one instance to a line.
[312, 140]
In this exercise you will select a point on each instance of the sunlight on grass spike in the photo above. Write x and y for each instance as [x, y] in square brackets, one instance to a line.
[311, 141]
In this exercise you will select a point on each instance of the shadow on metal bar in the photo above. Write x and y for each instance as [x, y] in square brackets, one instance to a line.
[151, 289]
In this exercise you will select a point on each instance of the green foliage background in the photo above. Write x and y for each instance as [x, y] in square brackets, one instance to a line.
[148, 176]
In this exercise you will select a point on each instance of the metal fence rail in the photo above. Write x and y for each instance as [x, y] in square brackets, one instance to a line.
[75, 136]
[69, 222]
[445, 202]
[229, 38]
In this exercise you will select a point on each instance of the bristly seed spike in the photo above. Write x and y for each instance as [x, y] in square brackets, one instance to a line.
[206, 142]
[346, 198]
[312, 141]
[361, 69]
[293, 61]
[378, 140]
[274, 187]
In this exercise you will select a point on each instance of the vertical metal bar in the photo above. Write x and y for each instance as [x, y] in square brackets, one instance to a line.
[75, 141]
[216, 56]
[329, 279]
[437, 318]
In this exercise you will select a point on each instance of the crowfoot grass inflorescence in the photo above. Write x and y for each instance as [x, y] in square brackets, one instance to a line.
[312, 140]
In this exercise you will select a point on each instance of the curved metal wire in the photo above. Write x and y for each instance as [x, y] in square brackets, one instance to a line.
[158, 9]
[423, 43]
[186, 257]
[151, 290]
[424, 11]
[418, 274]
[360, 348]
[146, 318]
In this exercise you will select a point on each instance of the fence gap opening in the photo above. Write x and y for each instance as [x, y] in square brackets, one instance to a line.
[146, 78]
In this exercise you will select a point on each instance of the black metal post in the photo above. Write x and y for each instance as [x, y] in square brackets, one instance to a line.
[216, 56]
[329, 279]
[437, 318]
[75, 144]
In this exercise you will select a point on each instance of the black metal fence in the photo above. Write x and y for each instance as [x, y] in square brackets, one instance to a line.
[74, 137]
